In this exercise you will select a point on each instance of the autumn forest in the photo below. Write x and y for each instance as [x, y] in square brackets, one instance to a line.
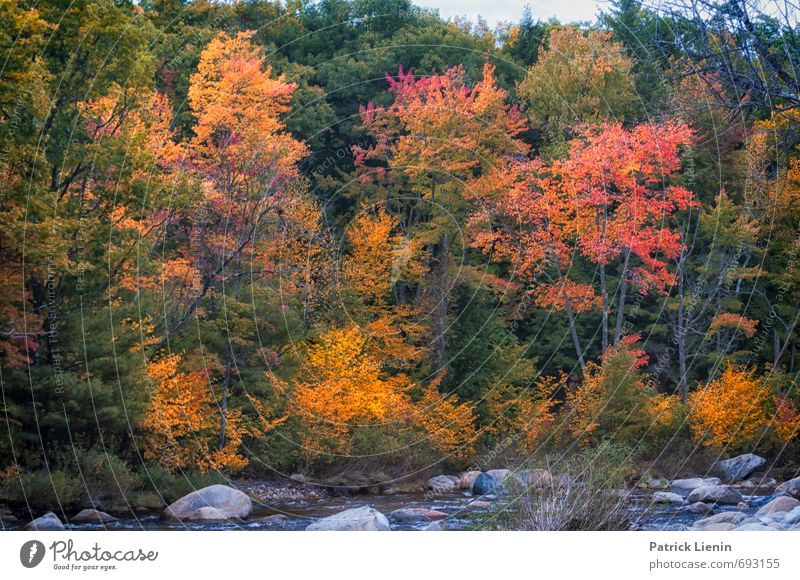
[356, 241]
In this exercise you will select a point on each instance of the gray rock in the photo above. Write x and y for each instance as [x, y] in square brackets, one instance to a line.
[742, 506]
[722, 494]
[783, 503]
[483, 484]
[667, 497]
[686, 486]
[442, 483]
[363, 519]
[479, 504]
[754, 528]
[226, 502]
[439, 526]
[793, 517]
[93, 516]
[46, 523]
[735, 518]
[721, 527]
[698, 508]
[792, 487]
[275, 519]
[415, 514]
[739, 467]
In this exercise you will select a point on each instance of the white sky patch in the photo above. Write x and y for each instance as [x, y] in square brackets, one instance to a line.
[511, 10]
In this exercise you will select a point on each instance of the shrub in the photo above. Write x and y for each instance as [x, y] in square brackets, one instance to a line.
[40, 490]
[732, 411]
[587, 493]
[616, 401]
[171, 486]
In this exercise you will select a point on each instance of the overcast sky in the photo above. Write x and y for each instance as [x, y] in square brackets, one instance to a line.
[511, 10]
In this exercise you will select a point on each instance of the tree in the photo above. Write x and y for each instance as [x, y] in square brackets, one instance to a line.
[579, 77]
[438, 135]
[606, 201]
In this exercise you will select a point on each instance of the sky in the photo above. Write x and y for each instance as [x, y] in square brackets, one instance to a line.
[511, 10]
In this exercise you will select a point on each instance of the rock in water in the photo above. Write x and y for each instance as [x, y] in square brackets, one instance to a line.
[412, 514]
[363, 519]
[483, 484]
[783, 503]
[724, 494]
[792, 487]
[667, 497]
[442, 483]
[93, 516]
[227, 503]
[698, 508]
[685, 486]
[738, 468]
[46, 523]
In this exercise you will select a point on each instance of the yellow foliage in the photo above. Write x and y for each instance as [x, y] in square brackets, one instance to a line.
[344, 386]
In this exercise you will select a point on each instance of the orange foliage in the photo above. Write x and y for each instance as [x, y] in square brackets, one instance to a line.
[732, 409]
[182, 422]
[735, 321]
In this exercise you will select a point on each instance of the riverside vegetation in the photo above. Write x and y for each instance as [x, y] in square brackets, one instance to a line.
[351, 241]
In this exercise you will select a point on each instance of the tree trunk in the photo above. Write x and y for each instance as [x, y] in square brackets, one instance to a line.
[571, 318]
[680, 334]
[223, 408]
[604, 294]
[621, 306]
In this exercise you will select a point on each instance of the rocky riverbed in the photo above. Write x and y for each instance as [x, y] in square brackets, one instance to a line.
[740, 499]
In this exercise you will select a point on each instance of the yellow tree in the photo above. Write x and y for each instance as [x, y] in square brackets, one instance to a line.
[579, 77]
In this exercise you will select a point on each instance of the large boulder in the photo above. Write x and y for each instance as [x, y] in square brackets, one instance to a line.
[721, 494]
[93, 516]
[738, 468]
[363, 519]
[792, 487]
[442, 483]
[782, 503]
[499, 475]
[226, 502]
[467, 479]
[416, 514]
[686, 486]
[483, 484]
[46, 523]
